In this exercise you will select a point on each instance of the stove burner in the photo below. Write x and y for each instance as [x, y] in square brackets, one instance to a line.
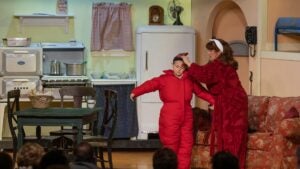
[59, 81]
[65, 78]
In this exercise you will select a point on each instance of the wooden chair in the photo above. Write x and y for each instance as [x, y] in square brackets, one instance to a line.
[77, 92]
[13, 105]
[103, 139]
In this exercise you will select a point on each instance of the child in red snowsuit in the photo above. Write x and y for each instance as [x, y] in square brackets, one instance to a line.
[176, 118]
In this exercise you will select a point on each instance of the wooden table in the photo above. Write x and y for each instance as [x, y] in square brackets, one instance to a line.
[54, 116]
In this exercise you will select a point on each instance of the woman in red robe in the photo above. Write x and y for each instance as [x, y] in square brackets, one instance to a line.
[230, 123]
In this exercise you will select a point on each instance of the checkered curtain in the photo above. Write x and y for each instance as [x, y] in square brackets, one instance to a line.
[111, 27]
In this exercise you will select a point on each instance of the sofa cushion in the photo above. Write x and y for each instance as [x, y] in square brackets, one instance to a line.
[289, 128]
[201, 157]
[257, 112]
[278, 106]
[259, 141]
[259, 159]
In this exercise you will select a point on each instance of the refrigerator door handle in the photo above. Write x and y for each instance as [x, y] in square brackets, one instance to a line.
[146, 61]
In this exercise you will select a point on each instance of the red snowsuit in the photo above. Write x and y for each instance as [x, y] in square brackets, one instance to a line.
[230, 122]
[176, 118]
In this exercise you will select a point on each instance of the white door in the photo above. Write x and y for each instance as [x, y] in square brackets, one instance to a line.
[155, 52]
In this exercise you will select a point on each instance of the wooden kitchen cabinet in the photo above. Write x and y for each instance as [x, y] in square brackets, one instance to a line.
[155, 50]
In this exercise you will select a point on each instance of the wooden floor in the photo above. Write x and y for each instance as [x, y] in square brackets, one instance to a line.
[133, 159]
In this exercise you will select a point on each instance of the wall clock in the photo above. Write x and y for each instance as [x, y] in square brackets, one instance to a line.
[156, 15]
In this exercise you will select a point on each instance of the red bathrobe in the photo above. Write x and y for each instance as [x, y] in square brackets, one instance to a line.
[176, 118]
[230, 122]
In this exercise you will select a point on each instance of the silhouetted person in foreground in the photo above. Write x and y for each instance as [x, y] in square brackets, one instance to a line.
[6, 161]
[84, 157]
[225, 160]
[165, 158]
[54, 157]
[29, 155]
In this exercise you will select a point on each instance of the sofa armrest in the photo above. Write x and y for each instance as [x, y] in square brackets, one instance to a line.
[290, 128]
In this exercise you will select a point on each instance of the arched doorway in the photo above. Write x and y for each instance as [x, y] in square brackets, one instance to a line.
[227, 21]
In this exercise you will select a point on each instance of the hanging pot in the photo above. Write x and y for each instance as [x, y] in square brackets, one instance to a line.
[75, 69]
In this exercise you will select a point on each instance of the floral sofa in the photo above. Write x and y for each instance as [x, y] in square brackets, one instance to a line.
[274, 133]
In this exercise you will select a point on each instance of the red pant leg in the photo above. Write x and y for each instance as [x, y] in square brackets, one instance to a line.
[185, 145]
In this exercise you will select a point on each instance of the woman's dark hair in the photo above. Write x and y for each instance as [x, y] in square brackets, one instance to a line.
[225, 160]
[226, 56]
[165, 158]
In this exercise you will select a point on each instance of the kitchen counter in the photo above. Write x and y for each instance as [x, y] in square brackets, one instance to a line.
[112, 81]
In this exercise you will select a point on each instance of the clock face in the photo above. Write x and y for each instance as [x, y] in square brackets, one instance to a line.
[155, 18]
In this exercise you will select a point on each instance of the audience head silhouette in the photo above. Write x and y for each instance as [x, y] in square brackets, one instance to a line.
[30, 155]
[84, 153]
[53, 157]
[225, 160]
[165, 158]
[6, 161]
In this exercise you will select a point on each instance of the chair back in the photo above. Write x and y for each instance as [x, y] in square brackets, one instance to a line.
[78, 92]
[109, 121]
[13, 105]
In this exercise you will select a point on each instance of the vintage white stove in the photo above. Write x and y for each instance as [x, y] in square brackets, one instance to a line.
[52, 84]
[20, 68]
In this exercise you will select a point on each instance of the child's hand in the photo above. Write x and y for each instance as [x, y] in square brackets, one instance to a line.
[132, 96]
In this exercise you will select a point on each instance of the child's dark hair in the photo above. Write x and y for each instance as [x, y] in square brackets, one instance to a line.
[176, 58]
[165, 158]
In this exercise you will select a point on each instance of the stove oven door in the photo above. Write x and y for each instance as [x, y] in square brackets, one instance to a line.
[25, 84]
[25, 62]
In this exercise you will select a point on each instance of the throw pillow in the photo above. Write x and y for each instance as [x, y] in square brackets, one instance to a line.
[292, 113]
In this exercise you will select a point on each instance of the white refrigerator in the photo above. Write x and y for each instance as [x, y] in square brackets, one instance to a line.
[156, 46]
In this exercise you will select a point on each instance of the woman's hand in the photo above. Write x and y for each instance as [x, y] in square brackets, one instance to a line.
[132, 96]
[186, 60]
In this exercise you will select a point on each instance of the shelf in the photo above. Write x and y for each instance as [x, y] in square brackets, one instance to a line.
[43, 20]
[96, 82]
